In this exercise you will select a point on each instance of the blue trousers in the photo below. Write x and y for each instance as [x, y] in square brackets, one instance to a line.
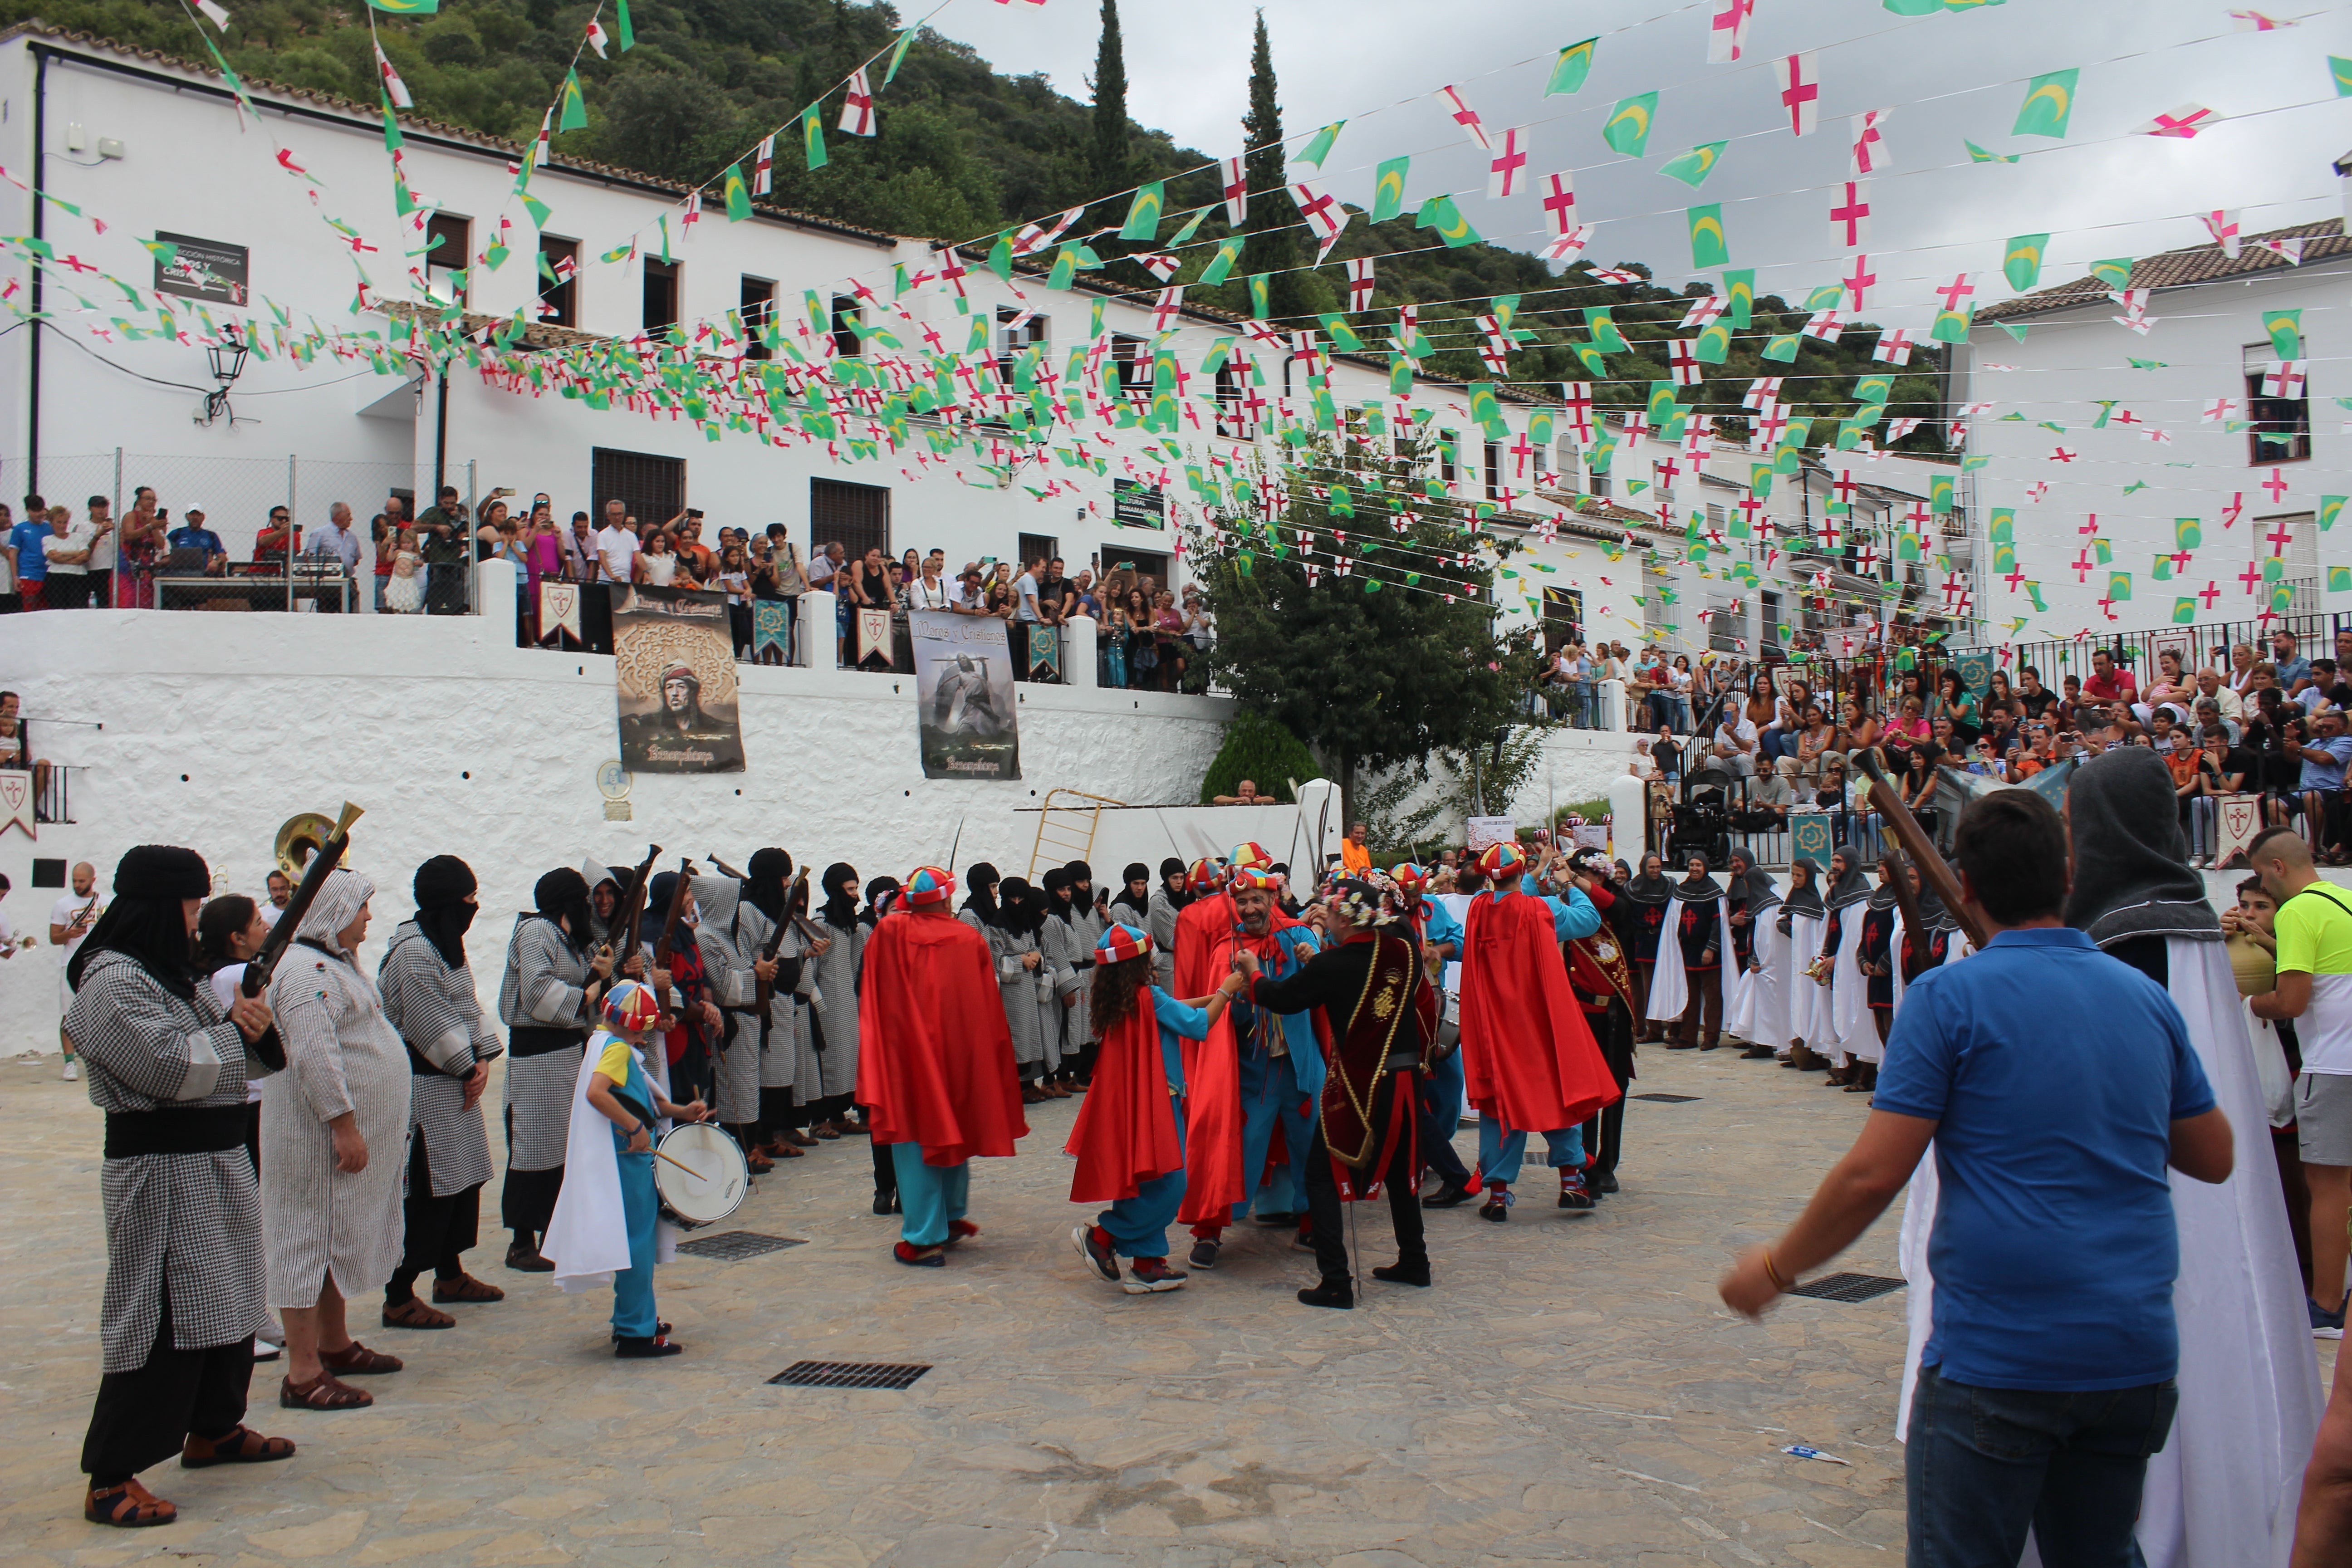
[1270, 1093]
[633, 1288]
[1139, 1226]
[1982, 1464]
[1439, 1109]
[1500, 1153]
[928, 1195]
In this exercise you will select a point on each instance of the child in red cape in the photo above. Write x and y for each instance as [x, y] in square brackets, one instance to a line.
[1129, 1139]
[934, 1062]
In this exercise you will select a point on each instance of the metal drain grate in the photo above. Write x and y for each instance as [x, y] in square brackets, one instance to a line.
[734, 1246]
[1847, 1288]
[1668, 1098]
[848, 1374]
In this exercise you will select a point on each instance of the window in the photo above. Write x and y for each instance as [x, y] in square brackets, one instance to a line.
[653, 488]
[846, 319]
[1769, 603]
[856, 517]
[1655, 612]
[1013, 341]
[1563, 462]
[2278, 429]
[1563, 618]
[1492, 456]
[448, 250]
[1233, 421]
[1131, 357]
[661, 295]
[559, 299]
[1727, 628]
[1447, 440]
[1037, 547]
[2293, 539]
[1148, 565]
[757, 310]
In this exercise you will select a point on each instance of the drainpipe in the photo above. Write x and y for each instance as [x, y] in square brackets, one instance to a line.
[33, 401]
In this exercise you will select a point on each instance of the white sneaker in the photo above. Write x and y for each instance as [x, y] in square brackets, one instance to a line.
[264, 1351]
[73, 1070]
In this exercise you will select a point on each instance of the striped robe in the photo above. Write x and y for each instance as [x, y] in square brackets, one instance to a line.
[544, 987]
[188, 1223]
[1069, 956]
[436, 1013]
[341, 1056]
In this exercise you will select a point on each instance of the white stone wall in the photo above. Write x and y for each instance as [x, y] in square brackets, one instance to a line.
[217, 728]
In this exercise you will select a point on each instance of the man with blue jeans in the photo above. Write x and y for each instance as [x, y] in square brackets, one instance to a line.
[2046, 1383]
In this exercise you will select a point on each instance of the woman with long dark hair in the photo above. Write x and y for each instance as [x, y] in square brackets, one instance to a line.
[1129, 1139]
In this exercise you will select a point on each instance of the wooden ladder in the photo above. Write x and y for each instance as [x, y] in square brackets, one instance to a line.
[1067, 830]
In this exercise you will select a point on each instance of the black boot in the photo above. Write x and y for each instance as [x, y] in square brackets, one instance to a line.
[1405, 1271]
[1449, 1194]
[1330, 1291]
[645, 1349]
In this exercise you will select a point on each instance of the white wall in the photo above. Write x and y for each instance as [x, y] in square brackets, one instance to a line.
[218, 729]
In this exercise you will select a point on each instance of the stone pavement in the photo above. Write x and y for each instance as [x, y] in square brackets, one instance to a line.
[1570, 1392]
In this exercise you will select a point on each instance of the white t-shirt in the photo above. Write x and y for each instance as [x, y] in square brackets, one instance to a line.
[1740, 727]
[78, 536]
[269, 913]
[617, 549]
[63, 913]
[101, 553]
[923, 595]
[820, 570]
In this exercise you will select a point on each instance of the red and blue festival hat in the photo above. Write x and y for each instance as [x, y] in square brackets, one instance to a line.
[1206, 876]
[1501, 861]
[1121, 944]
[1251, 856]
[928, 885]
[631, 1008]
[1263, 878]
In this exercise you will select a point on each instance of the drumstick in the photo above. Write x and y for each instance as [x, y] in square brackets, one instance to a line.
[681, 1165]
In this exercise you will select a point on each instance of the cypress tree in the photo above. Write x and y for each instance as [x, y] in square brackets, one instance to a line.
[1110, 163]
[1273, 244]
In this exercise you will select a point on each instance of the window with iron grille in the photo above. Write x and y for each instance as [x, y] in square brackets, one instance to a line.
[1233, 422]
[1448, 442]
[856, 517]
[1037, 547]
[1493, 465]
[448, 248]
[1132, 358]
[846, 319]
[558, 301]
[1563, 618]
[1013, 341]
[653, 488]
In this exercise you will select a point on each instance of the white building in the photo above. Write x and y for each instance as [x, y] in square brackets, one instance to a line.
[2102, 433]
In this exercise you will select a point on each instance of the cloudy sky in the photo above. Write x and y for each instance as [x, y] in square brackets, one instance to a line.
[2101, 192]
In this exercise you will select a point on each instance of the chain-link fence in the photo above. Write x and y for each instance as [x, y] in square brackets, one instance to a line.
[236, 495]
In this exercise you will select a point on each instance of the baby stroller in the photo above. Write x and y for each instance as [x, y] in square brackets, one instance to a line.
[1702, 819]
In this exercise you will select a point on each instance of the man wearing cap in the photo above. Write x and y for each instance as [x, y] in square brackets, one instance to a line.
[1379, 1012]
[1440, 1101]
[182, 1214]
[192, 534]
[1529, 1061]
[1129, 1139]
[1280, 1056]
[934, 1062]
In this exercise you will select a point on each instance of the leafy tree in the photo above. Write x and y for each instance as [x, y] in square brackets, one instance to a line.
[1379, 666]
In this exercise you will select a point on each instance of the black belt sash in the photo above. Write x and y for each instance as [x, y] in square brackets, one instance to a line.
[201, 1130]
[523, 1042]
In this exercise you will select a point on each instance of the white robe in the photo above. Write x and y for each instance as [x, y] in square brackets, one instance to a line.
[1669, 984]
[588, 1237]
[1760, 1015]
[2222, 1493]
[1800, 999]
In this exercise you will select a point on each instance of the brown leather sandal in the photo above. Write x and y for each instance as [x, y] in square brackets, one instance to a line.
[322, 1393]
[355, 1360]
[242, 1447]
[759, 1164]
[789, 1151]
[414, 1313]
[129, 1506]
[465, 1288]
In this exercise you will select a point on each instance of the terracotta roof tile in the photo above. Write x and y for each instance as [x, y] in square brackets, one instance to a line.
[2175, 268]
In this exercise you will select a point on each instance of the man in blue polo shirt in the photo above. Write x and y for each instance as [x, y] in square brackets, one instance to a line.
[2046, 1383]
[192, 534]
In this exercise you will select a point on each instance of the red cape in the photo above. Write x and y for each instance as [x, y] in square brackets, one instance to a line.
[1528, 1056]
[1213, 1069]
[934, 1053]
[1125, 1130]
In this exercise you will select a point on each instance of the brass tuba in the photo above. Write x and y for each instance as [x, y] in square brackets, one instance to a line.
[299, 837]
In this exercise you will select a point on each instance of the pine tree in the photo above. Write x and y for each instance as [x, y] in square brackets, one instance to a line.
[1272, 224]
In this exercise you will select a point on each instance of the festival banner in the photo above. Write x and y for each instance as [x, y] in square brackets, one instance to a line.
[771, 631]
[873, 638]
[17, 802]
[2237, 819]
[558, 609]
[674, 665]
[963, 696]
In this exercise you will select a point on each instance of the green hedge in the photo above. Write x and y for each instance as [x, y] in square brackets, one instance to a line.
[1260, 750]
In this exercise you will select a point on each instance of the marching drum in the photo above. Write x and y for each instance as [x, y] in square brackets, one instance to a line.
[700, 1177]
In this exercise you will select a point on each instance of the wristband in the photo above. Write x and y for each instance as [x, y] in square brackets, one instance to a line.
[1784, 1286]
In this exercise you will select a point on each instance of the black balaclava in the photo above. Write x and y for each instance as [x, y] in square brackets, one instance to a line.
[764, 888]
[840, 885]
[980, 891]
[148, 919]
[560, 895]
[443, 889]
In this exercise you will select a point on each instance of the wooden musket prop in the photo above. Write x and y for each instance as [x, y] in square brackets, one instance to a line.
[1887, 801]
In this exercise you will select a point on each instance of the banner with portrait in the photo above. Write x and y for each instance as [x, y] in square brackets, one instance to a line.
[674, 658]
[963, 696]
